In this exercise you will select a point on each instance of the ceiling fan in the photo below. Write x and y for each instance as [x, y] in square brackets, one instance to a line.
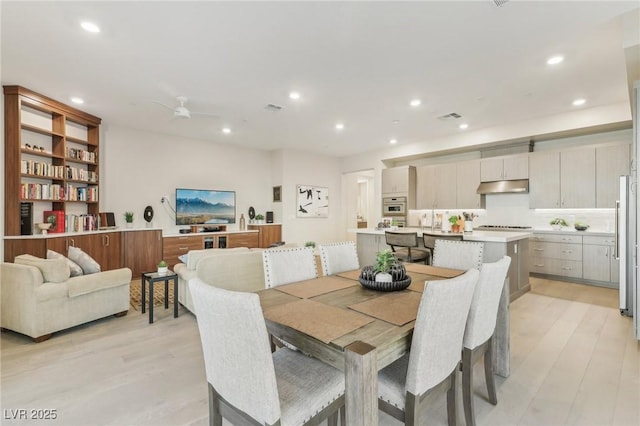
[181, 111]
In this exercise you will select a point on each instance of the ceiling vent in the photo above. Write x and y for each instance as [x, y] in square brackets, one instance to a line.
[273, 107]
[450, 116]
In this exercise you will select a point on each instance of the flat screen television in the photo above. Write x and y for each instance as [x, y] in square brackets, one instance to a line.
[205, 206]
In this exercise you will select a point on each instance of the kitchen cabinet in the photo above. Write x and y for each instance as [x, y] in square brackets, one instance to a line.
[562, 179]
[467, 181]
[510, 167]
[518, 273]
[436, 187]
[142, 250]
[558, 255]
[368, 246]
[599, 262]
[399, 180]
[611, 163]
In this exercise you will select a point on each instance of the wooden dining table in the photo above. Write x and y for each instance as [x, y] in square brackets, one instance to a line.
[355, 329]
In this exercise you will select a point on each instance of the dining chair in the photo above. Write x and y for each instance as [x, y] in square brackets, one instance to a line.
[405, 246]
[436, 348]
[338, 257]
[288, 265]
[478, 334]
[458, 254]
[429, 242]
[248, 385]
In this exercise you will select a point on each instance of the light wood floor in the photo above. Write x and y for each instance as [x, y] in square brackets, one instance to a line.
[572, 363]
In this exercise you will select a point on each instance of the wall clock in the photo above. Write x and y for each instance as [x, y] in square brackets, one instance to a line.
[148, 214]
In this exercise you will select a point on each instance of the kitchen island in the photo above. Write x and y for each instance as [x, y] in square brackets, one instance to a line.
[514, 244]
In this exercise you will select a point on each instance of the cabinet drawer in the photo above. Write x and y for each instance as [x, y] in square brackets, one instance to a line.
[556, 250]
[540, 265]
[558, 267]
[601, 241]
[183, 243]
[243, 240]
[557, 238]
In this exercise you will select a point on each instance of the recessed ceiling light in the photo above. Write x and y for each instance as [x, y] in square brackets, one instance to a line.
[396, 121]
[226, 130]
[555, 60]
[393, 141]
[415, 102]
[579, 102]
[77, 100]
[90, 27]
[294, 95]
[339, 126]
[463, 126]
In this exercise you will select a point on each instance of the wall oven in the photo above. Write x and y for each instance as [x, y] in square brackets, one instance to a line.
[394, 206]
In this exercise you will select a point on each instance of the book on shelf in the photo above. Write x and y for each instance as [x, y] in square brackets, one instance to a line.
[57, 220]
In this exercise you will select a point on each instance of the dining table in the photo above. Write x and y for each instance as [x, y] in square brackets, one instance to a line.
[358, 330]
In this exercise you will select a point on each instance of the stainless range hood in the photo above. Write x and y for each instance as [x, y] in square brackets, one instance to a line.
[504, 187]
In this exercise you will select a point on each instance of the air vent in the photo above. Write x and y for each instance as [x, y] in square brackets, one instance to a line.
[450, 116]
[273, 107]
[500, 3]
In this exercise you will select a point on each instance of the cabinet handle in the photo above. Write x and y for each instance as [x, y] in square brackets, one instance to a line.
[567, 251]
[606, 252]
[541, 265]
[108, 238]
[566, 268]
[184, 248]
[538, 249]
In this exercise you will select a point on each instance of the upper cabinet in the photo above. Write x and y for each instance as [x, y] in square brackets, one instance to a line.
[611, 163]
[51, 156]
[544, 180]
[467, 181]
[398, 180]
[510, 167]
[436, 187]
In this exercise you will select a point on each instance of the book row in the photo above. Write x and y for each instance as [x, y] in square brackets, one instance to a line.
[82, 155]
[55, 192]
[57, 172]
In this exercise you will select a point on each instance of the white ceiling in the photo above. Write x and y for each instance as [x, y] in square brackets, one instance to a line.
[355, 62]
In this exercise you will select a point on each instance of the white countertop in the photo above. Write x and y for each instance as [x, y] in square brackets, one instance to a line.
[485, 236]
[572, 231]
[74, 234]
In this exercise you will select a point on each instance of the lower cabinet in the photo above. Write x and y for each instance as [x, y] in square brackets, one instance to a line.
[368, 246]
[142, 250]
[267, 234]
[600, 263]
[244, 239]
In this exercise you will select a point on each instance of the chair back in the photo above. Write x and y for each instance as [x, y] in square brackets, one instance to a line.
[338, 257]
[237, 355]
[437, 338]
[458, 254]
[484, 307]
[401, 239]
[288, 265]
[429, 241]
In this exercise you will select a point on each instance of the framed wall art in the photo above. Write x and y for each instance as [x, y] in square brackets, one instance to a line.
[313, 201]
[277, 194]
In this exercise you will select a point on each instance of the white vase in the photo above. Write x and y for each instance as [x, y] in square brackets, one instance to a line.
[162, 270]
[468, 226]
[384, 277]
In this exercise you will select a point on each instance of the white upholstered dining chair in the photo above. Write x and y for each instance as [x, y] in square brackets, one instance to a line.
[288, 265]
[338, 257]
[248, 385]
[436, 348]
[478, 334]
[458, 254]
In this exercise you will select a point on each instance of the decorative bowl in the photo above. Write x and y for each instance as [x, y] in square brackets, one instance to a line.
[43, 227]
[581, 227]
[398, 273]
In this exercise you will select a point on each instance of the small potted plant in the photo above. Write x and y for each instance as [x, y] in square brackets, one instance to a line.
[128, 218]
[311, 244]
[163, 268]
[259, 218]
[453, 220]
[557, 223]
[385, 261]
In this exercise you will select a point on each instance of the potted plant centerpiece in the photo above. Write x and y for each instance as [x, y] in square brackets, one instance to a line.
[557, 223]
[453, 220]
[311, 244]
[163, 268]
[128, 218]
[388, 273]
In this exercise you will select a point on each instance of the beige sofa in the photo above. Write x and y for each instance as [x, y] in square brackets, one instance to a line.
[237, 269]
[40, 300]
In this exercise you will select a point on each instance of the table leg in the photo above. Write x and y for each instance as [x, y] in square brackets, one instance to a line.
[175, 297]
[144, 304]
[151, 301]
[361, 384]
[501, 347]
[166, 293]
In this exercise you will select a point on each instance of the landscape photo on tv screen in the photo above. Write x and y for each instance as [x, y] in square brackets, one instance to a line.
[201, 207]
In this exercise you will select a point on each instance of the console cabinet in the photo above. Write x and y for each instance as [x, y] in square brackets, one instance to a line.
[177, 245]
[142, 250]
[267, 234]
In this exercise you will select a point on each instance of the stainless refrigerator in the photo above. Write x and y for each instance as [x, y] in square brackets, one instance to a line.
[627, 227]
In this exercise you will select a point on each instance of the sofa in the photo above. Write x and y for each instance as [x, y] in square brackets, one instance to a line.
[238, 269]
[39, 297]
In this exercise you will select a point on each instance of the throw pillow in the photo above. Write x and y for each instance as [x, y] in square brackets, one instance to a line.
[183, 258]
[52, 270]
[86, 262]
[75, 269]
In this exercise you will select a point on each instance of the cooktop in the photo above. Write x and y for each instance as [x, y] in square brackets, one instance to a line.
[503, 227]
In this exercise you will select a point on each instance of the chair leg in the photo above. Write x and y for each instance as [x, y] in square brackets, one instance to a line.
[467, 386]
[411, 407]
[490, 378]
[451, 399]
[343, 416]
[215, 417]
[332, 420]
